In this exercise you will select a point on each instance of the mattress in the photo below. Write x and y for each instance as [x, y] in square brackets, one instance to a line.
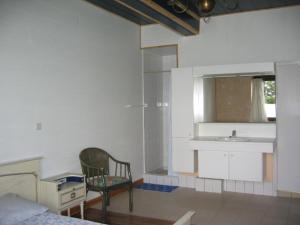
[48, 218]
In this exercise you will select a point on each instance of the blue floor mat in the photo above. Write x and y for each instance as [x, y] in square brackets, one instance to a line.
[156, 187]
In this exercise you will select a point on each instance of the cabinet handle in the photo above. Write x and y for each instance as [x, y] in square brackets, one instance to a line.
[73, 195]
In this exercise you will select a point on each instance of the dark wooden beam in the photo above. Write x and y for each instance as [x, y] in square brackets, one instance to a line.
[145, 12]
[174, 18]
[181, 23]
[187, 18]
[119, 9]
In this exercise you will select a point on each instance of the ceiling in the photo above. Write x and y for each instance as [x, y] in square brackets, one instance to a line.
[144, 12]
[249, 5]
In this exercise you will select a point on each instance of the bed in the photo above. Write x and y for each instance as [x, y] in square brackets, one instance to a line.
[19, 197]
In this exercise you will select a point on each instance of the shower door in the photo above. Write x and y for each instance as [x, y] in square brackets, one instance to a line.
[157, 122]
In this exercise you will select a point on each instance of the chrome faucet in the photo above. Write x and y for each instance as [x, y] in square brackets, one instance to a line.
[233, 134]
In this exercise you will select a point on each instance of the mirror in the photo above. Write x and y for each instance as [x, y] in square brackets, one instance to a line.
[235, 99]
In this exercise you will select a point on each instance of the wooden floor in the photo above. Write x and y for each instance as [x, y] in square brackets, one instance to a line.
[123, 219]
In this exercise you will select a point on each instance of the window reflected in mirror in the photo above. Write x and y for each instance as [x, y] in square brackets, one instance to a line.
[238, 99]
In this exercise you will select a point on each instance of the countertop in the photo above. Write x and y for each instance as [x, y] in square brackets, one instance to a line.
[248, 139]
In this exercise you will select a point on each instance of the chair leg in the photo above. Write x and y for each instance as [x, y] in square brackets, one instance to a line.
[107, 199]
[130, 198]
[85, 209]
[104, 201]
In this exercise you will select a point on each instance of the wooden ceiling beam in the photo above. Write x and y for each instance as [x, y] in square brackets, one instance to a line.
[172, 16]
[145, 12]
[122, 11]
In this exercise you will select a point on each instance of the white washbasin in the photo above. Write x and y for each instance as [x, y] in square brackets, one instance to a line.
[232, 139]
[233, 144]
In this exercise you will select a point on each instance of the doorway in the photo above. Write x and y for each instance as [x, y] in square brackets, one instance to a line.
[157, 65]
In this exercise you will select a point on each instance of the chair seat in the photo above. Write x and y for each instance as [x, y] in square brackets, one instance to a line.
[109, 180]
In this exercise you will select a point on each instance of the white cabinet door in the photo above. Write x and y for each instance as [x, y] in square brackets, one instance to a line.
[247, 166]
[288, 126]
[213, 164]
[182, 156]
[182, 102]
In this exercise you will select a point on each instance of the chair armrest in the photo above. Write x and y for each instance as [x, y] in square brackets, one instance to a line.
[118, 161]
[126, 164]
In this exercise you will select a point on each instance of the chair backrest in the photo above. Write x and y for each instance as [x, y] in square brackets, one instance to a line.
[94, 157]
[185, 219]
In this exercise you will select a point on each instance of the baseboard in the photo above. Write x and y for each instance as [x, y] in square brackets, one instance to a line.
[288, 194]
[94, 201]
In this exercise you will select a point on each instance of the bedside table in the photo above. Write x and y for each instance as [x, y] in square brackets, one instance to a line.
[63, 192]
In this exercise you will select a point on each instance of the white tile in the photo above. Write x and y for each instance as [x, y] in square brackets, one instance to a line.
[249, 187]
[160, 180]
[152, 179]
[199, 184]
[208, 185]
[230, 185]
[218, 186]
[182, 181]
[240, 186]
[167, 180]
[224, 185]
[211, 185]
[190, 181]
[268, 188]
[174, 181]
[258, 188]
[146, 178]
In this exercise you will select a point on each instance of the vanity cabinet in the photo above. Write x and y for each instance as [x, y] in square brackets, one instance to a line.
[245, 166]
[213, 164]
[183, 155]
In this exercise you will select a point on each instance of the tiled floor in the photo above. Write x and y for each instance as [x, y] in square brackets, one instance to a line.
[211, 209]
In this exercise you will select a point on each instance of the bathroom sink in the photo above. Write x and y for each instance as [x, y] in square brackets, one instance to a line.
[233, 144]
[232, 139]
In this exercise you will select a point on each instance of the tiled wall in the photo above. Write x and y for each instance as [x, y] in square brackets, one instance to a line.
[211, 185]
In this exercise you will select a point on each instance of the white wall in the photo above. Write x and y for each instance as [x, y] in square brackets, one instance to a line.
[261, 36]
[288, 112]
[72, 67]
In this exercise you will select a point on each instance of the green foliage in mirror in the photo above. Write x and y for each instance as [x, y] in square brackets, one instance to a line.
[270, 91]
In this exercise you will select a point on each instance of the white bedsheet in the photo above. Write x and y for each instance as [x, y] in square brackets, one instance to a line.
[48, 218]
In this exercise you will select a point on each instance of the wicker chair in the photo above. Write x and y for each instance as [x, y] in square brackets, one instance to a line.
[96, 164]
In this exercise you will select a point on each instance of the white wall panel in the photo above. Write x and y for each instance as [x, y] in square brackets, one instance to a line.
[258, 188]
[240, 186]
[249, 187]
[71, 67]
[288, 112]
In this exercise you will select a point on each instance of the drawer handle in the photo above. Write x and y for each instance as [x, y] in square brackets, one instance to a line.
[73, 195]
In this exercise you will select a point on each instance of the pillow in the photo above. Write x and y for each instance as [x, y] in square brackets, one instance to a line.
[14, 209]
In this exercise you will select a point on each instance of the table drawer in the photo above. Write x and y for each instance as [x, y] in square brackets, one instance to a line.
[72, 195]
